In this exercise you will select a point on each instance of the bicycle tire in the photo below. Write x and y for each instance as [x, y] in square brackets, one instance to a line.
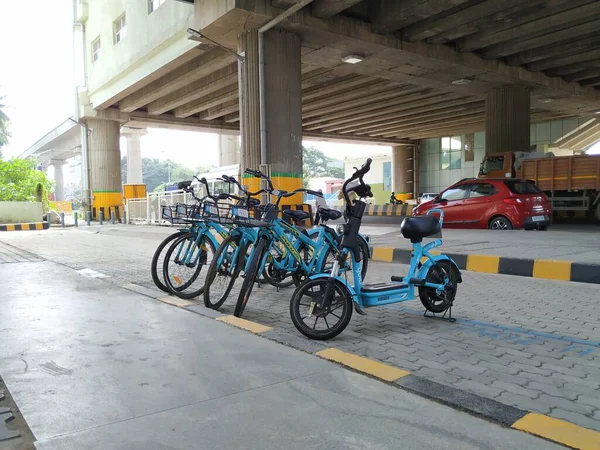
[181, 290]
[156, 258]
[213, 271]
[250, 278]
[343, 298]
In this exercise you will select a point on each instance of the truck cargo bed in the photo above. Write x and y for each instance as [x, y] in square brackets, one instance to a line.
[565, 173]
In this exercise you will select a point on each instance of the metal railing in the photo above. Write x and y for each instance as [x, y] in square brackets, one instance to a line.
[149, 209]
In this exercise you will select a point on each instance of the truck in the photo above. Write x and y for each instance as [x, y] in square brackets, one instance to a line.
[572, 183]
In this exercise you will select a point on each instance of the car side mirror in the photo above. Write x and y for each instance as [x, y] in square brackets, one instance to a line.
[440, 200]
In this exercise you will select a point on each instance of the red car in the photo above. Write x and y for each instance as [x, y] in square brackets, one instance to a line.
[494, 203]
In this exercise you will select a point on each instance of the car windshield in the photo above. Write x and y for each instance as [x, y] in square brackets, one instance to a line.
[522, 187]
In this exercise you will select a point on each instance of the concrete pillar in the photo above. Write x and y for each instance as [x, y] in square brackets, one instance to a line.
[105, 166]
[283, 99]
[248, 72]
[403, 169]
[507, 119]
[134, 154]
[59, 180]
[229, 150]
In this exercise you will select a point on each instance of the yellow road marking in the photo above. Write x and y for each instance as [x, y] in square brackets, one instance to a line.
[553, 270]
[176, 301]
[365, 365]
[483, 263]
[244, 324]
[10, 227]
[385, 254]
[560, 431]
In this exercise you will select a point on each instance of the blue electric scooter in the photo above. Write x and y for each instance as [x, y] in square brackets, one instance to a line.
[321, 307]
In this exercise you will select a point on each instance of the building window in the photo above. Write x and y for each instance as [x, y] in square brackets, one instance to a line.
[387, 176]
[153, 5]
[119, 29]
[96, 49]
[450, 157]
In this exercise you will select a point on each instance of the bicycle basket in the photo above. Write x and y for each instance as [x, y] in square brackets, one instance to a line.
[181, 213]
[247, 217]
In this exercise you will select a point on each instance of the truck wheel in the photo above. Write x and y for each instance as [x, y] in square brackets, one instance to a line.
[500, 223]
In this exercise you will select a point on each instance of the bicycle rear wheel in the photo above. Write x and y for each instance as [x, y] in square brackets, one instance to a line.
[250, 277]
[184, 264]
[156, 267]
[222, 273]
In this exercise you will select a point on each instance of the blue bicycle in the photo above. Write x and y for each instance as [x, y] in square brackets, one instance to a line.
[322, 306]
[194, 249]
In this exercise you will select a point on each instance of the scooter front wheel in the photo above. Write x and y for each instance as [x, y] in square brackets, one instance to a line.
[310, 315]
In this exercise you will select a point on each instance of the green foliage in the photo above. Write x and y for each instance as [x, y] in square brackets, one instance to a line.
[156, 172]
[316, 164]
[20, 181]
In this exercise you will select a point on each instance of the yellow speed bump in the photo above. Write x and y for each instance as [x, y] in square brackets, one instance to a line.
[560, 431]
[483, 263]
[552, 270]
[365, 365]
[244, 324]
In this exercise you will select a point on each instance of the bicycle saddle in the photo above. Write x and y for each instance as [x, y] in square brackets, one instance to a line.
[416, 228]
[329, 214]
[296, 215]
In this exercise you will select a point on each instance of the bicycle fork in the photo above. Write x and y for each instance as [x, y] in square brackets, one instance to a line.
[326, 301]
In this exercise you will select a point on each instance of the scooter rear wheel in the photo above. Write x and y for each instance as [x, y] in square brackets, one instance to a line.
[439, 272]
[311, 319]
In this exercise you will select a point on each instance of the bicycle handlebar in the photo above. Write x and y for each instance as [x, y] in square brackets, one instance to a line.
[358, 174]
[259, 174]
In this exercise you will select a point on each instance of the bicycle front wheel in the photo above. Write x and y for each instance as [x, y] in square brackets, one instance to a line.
[156, 267]
[184, 264]
[251, 275]
[222, 273]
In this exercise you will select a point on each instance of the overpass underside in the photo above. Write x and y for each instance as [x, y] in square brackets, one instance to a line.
[427, 68]
[402, 89]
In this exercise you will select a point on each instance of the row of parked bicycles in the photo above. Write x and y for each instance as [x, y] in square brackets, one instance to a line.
[229, 236]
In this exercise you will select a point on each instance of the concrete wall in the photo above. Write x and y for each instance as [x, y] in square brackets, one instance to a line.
[152, 41]
[20, 212]
[433, 179]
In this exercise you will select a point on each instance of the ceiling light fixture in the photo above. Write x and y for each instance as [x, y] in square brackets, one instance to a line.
[461, 82]
[352, 59]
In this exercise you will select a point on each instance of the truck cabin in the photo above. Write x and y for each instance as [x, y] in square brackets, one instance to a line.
[496, 165]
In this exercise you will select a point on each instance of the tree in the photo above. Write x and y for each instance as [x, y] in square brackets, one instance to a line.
[20, 181]
[156, 172]
[4, 122]
[316, 164]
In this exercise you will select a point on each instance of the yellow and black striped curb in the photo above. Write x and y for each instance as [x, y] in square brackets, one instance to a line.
[536, 268]
[25, 226]
[555, 430]
[386, 210]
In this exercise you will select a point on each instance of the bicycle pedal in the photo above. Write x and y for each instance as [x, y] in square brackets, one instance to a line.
[359, 310]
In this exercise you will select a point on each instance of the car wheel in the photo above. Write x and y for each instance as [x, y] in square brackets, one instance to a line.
[500, 223]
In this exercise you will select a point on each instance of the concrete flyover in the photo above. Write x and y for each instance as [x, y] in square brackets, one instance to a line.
[379, 71]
